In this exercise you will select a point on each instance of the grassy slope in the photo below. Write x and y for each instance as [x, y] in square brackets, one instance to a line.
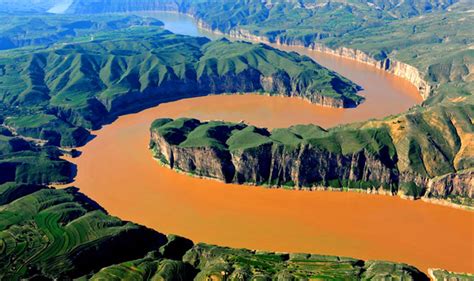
[63, 234]
[49, 93]
[434, 36]
[416, 141]
[23, 161]
[21, 30]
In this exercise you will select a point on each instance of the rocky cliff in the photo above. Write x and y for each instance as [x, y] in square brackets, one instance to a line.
[89, 83]
[273, 164]
[267, 160]
[395, 67]
[390, 156]
[391, 65]
[459, 186]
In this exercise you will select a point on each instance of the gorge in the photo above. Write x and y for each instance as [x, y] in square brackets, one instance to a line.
[370, 156]
[53, 232]
[210, 207]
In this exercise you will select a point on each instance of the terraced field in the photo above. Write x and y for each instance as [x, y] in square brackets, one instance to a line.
[57, 233]
[61, 76]
[218, 263]
[63, 234]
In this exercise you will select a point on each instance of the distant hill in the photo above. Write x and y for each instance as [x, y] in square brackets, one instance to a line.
[370, 8]
[35, 29]
[27, 5]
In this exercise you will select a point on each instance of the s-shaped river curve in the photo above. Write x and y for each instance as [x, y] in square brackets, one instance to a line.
[116, 169]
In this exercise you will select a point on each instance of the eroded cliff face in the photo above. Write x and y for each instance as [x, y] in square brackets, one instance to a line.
[370, 159]
[453, 184]
[395, 67]
[201, 161]
[307, 166]
[271, 163]
[248, 81]
[175, 89]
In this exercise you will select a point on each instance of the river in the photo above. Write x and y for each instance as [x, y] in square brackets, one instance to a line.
[116, 169]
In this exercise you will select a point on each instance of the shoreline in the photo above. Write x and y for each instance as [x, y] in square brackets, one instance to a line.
[371, 191]
[343, 52]
[395, 67]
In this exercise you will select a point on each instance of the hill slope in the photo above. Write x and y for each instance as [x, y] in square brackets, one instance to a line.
[410, 154]
[87, 83]
[426, 42]
[37, 29]
[62, 234]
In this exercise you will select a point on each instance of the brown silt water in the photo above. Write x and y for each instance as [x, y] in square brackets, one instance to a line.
[117, 170]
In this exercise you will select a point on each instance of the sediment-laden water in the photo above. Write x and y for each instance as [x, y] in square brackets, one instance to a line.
[116, 169]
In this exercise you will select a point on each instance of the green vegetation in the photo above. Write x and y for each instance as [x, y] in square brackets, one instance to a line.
[152, 267]
[440, 274]
[411, 154]
[62, 234]
[433, 36]
[24, 161]
[22, 30]
[54, 93]
[217, 263]
[49, 128]
[411, 189]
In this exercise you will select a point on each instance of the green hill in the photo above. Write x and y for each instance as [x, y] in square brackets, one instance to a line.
[61, 234]
[422, 153]
[24, 161]
[25, 29]
[433, 36]
[50, 93]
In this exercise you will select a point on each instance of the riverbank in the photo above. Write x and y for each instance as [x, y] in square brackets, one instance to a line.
[117, 170]
[400, 69]
[373, 191]
[368, 156]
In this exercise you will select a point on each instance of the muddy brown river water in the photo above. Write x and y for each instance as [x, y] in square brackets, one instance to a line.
[116, 169]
